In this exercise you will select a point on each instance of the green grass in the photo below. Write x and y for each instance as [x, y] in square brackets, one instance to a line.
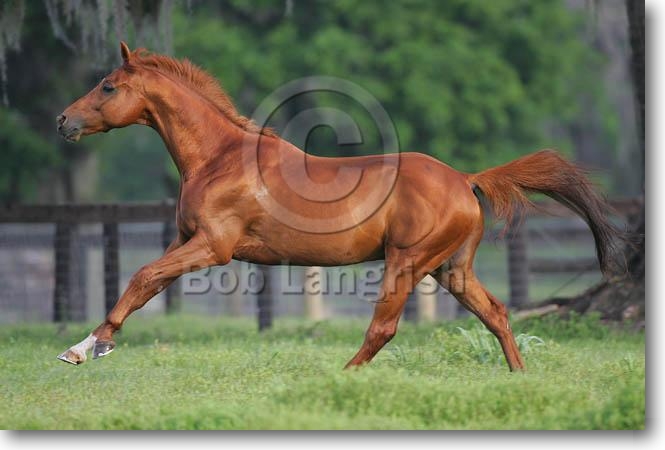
[200, 373]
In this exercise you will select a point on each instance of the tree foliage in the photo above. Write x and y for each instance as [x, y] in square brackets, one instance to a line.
[471, 82]
[25, 154]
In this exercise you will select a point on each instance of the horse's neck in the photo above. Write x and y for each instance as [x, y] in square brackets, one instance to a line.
[193, 130]
[197, 134]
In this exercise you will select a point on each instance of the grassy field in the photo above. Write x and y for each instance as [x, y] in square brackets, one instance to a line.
[191, 372]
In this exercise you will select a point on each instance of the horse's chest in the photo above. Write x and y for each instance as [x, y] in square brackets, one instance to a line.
[185, 222]
[188, 212]
[200, 204]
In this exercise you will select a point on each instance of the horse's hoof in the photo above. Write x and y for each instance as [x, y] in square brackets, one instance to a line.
[72, 357]
[102, 348]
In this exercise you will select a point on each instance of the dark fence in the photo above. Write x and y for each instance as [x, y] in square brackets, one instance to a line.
[69, 301]
[66, 219]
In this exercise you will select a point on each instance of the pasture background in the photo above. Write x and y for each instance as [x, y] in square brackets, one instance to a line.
[191, 372]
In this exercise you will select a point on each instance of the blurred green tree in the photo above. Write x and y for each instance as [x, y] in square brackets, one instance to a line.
[471, 82]
[474, 83]
[25, 156]
[51, 52]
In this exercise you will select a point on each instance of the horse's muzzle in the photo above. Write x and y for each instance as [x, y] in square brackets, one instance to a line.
[67, 131]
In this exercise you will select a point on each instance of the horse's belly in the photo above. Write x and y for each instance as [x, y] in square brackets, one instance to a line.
[308, 250]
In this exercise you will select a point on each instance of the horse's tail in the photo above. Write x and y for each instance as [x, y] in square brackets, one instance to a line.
[547, 172]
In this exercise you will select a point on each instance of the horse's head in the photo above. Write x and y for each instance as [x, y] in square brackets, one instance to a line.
[116, 102]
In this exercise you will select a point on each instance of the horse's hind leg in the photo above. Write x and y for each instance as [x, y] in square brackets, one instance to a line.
[460, 280]
[401, 275]
[388, 309]
[474, 297]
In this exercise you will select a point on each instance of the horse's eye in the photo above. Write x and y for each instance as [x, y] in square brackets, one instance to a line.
[107, 88]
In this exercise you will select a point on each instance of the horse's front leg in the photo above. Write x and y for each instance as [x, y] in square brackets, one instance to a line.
[146, 283]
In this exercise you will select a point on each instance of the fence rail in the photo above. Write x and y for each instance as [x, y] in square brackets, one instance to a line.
[89, 213]
[67, 217]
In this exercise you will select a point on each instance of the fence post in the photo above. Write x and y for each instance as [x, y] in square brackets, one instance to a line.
[518, 264]
[410, 312]
[236, 299]
[63, 278]
[449, 305]
[426, 296]
[314, 301]
[111, 242]
[78, 304]
[172, 294]
[264, 299]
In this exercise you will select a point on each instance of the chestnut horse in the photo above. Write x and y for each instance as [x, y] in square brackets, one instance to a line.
[430, 221]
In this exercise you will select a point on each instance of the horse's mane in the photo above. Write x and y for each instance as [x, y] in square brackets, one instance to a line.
[200, 81]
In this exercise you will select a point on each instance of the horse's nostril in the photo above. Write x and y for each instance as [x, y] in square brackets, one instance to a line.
[61, 119]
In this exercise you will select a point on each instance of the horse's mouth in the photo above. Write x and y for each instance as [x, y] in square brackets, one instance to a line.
[72, 135]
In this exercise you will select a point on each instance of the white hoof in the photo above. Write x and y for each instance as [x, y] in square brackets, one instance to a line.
[77, 353]
[72, 357]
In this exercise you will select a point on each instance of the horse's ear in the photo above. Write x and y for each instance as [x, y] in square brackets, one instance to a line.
[125, 52]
